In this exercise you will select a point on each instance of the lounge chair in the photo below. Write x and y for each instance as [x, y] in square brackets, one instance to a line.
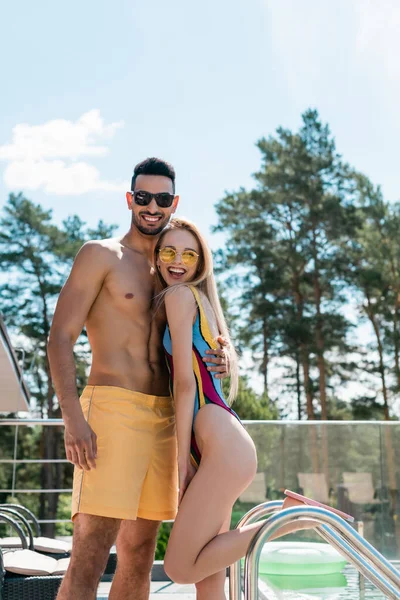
[45, 545]
[256, 492]
[19, 579]
[30, 517]
[314, 486]
[360, 494]
[56, 549]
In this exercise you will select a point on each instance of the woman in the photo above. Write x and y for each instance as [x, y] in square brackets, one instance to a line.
[216, 456]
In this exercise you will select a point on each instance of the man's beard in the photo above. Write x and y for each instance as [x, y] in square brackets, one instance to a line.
[149, 230]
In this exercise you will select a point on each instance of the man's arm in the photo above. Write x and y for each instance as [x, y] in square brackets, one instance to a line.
[74, 303]
[220, 363]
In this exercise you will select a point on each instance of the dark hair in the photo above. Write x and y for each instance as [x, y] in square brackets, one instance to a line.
[154, 166]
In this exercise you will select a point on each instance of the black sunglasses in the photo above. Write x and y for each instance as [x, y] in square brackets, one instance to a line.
[163, 199]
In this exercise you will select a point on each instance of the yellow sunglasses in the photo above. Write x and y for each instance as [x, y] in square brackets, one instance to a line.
[168, 254]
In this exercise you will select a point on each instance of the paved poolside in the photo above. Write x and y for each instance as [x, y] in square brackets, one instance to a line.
[164, 590]
[347, 590]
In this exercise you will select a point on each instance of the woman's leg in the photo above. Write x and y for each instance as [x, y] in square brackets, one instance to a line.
[213, 587]
[195, 550]
[228, 465]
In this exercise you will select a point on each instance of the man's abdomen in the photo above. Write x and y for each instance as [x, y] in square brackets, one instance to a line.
[136, 375]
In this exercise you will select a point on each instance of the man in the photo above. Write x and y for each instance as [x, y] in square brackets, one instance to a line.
[121, 434]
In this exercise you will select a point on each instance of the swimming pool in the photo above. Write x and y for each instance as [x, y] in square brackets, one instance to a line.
[342, 586]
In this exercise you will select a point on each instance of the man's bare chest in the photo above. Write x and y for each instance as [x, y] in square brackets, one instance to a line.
[130, 286]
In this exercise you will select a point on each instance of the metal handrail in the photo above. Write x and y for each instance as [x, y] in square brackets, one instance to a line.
[351, 540]
[44, 422]
[27, 461]
[36, 491]
[39, 421]
[262, 510]
[26, 513]
[368, 561]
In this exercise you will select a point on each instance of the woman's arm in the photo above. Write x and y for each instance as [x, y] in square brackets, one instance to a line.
[181, 308]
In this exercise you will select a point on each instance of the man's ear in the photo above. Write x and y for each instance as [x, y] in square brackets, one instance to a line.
[175, 204]
[129, 198]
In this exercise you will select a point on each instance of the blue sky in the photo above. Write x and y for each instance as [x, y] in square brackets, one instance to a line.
[93, 87]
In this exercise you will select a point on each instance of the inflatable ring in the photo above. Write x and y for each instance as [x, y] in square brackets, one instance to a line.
[300, 558]
[312, 584]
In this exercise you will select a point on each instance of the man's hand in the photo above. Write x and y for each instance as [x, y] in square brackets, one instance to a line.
[81, 445]
[186, 475]
[218, 362]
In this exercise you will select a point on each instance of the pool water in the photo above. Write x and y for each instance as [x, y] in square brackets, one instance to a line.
[341, 586]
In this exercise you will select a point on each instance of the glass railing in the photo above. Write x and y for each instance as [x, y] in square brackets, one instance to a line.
[353, 466]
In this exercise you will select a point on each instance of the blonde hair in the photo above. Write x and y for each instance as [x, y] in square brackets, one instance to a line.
[205, 281]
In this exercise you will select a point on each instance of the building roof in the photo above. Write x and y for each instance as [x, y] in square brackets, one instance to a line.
[14, 393]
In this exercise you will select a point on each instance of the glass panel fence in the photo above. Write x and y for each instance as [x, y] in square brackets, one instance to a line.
[353, 466]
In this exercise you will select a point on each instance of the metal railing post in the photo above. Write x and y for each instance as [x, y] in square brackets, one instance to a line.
[361, 578]
[262, 510]
[14, 476]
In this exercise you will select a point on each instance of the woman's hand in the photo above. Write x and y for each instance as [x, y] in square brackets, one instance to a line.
[186, 474]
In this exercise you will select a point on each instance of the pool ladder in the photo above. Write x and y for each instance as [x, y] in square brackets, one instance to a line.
[333, 529]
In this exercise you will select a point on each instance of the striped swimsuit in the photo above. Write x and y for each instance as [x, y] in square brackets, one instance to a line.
[208, 388]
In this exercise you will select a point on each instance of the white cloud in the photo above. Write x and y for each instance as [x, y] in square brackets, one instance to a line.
[46, 156]
[57, 177]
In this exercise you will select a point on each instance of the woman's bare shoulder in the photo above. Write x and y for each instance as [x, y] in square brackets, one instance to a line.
[180, 301]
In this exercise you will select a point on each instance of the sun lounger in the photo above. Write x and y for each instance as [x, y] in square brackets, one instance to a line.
[45, 545]
[315, 486]
[19, 571]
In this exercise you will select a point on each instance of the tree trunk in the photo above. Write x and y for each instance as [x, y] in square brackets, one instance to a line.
[319, 335]
[51, 473]
[396, 339]
[372, 318]
[320, 346]
[264, 367]
[388, 434]
[49, 502]
[305, 361]
[304, 356]
[298, 386]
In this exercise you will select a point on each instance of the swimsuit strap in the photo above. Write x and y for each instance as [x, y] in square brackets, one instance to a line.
[196, 296]
[204, 325]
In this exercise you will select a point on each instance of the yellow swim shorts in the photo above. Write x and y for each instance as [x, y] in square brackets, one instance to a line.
[136, 466]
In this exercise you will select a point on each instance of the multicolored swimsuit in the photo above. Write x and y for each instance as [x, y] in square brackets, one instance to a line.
[208, 388]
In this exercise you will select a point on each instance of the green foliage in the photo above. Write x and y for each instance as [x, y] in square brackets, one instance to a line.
[311, 233]
[162, 540]
[249, 405]
[64, 512]
[37, 256]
